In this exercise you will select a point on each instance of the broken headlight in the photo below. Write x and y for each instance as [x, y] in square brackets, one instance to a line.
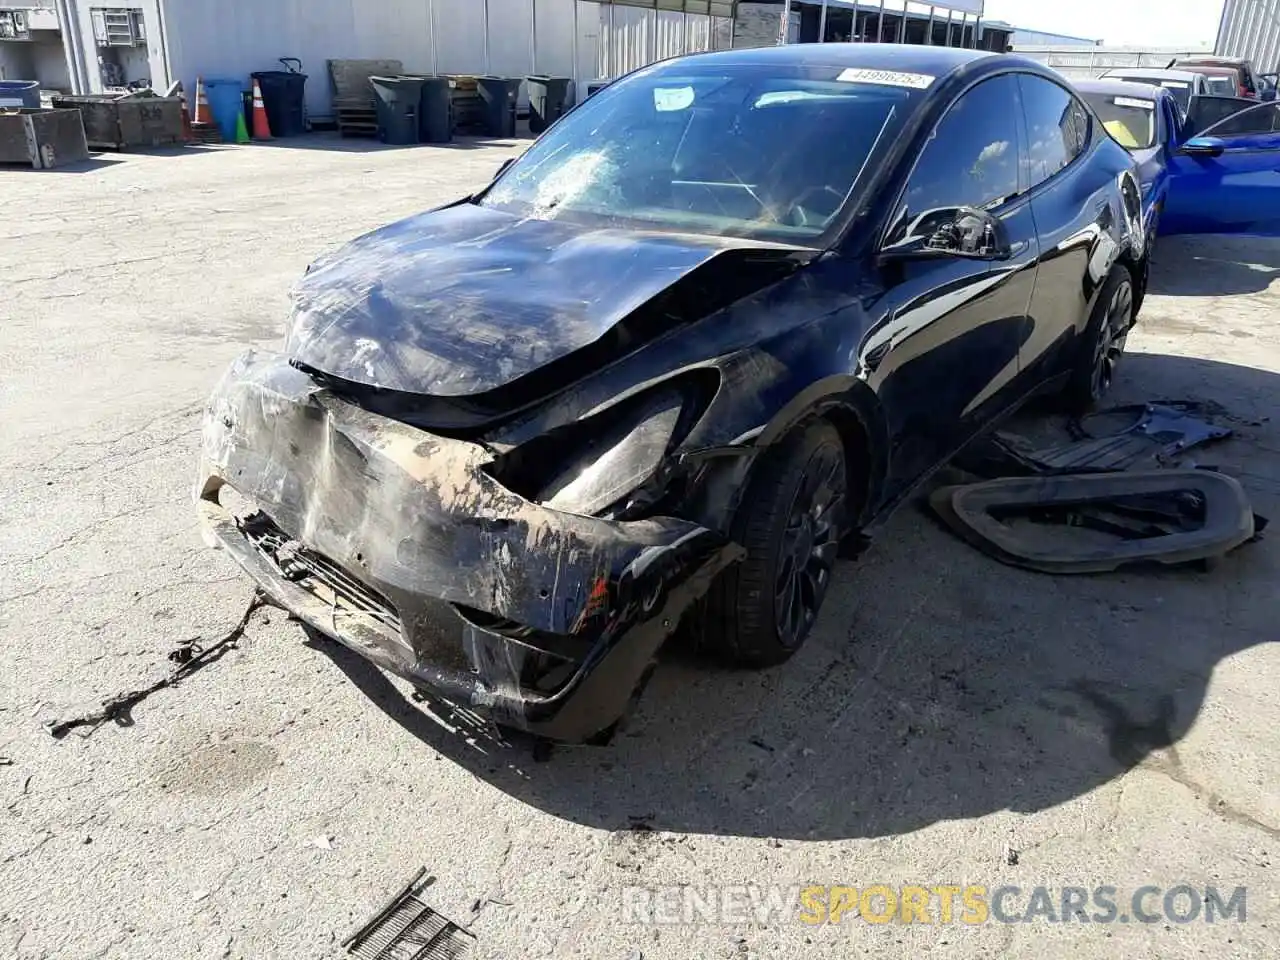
[591, 464]
[615, 462]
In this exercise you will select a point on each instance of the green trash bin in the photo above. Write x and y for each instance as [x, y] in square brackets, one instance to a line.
[435, 111]
[398, 102]
[500, 95]
[548, 100]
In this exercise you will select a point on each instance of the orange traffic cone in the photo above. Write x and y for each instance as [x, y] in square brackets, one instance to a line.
[261, 128]
[187, 135]
[203, 129]
[204, 113]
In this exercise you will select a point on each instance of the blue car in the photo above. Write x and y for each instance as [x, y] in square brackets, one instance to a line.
[709, 330]
[1214, 170]
[1147, 121]
[1225, 172]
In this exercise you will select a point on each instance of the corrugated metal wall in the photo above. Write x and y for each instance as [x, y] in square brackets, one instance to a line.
[236, 37]
[632, 37]
[1251, 28]
[1082, 63]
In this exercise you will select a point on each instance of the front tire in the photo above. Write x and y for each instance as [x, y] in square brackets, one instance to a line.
[1103, 343]
[791, 520]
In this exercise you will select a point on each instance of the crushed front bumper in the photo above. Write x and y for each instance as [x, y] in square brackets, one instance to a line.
[399, 544]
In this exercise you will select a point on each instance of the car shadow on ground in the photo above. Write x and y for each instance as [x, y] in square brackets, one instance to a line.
[1189, 267]
[939, 684]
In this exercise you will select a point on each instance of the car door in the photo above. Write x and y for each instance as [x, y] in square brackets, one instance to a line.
[1072, 201]
[1226, 179]
[942, 351]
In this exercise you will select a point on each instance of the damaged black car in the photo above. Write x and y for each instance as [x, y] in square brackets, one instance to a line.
[716, 323]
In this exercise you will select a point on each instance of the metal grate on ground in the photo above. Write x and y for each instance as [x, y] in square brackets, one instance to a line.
[408, 929]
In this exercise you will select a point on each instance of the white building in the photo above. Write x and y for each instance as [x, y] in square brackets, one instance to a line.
[89, 46]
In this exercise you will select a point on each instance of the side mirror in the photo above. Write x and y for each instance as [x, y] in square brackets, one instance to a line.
[961, 233]
[1204, 147]
[503, 169]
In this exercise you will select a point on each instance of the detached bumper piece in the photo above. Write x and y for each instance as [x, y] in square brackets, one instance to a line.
[1096, 523]
[402, 546]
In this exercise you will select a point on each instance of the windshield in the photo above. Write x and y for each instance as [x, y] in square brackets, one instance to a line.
[749, 150]
[1131, 121]
[1181, 89]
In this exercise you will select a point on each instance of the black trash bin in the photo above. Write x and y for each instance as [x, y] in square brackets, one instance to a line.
[548, 100]
[435, 111]
[500, 95]
[399, 99]
[284, 94]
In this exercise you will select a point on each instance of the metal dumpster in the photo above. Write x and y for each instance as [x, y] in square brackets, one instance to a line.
[42, 138]
[117, 123]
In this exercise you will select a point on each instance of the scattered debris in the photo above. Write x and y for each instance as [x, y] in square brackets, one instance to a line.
[323, 842]
[1082, 511]
[757, 742]
[6, 761]
[26, 786]
[408, 928]
[1010, 855]
[482, 902]
[200, 895]
[1162, 516]
[118, 708]
[1151, 435]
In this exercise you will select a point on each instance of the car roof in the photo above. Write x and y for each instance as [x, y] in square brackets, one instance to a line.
[1188, 76]
[1209, 59]
[1118, 88]
[909, 58]
[1215, 69]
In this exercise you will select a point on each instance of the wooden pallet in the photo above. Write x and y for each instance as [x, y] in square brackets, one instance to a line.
[356, 116]
[468, 107]
[206, 133]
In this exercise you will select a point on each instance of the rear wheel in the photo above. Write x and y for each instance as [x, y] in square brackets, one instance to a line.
[761, 611]
[1103, 343]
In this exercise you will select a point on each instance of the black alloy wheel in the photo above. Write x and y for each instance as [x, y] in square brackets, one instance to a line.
[791, 520]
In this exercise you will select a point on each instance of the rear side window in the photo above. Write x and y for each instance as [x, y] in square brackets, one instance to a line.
[972, 158]
[1057, 127]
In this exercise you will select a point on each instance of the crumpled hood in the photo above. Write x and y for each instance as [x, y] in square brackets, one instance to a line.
[466, 299]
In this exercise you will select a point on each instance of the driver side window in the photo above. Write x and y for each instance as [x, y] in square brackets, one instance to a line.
[970, 161]
[1264, 118]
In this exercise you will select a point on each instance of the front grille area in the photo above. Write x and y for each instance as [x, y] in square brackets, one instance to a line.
[316, 573]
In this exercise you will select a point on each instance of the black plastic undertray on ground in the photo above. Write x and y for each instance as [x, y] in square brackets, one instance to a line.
[1096, 523]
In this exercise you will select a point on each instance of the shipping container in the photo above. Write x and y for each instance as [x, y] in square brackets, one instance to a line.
[1251, 29]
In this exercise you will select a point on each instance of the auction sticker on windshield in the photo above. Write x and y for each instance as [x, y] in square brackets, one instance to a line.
[887, 78]
[1133, 102]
